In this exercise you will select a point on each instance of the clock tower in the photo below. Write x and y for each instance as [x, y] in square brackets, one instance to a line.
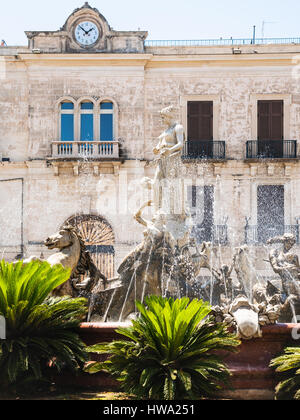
[86, 31]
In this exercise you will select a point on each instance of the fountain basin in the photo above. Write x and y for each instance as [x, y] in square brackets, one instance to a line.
[251, 376]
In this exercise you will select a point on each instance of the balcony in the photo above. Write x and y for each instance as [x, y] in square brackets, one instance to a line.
[85, 150]
[271, 149]
[258, 235]
[199, 149]
[217, 234]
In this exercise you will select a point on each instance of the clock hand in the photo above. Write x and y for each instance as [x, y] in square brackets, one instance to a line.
[90, 30]
[83, 29]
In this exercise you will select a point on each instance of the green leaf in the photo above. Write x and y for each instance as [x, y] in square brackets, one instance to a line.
[169, 389]
[288, 362]
[169, 351]
[186, 380]
[40, 329]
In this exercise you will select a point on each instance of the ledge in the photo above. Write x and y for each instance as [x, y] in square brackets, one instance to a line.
[272, 160]
[277, 329]
[186, 159]
[252, 378]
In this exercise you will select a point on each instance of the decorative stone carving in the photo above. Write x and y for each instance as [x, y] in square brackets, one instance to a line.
[286, 264]
[248, 305]
[72, 254]
[168, 164]
[64, 40]
[168, 260]
[244, 270]
[246, 317]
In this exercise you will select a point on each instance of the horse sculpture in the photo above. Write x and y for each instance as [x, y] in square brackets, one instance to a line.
[72, 254]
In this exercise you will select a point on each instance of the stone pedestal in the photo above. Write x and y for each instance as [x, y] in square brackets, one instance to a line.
[252, 378]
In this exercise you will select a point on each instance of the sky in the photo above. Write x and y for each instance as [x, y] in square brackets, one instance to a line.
[163, 19]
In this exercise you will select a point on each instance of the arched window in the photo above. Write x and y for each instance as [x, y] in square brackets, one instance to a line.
[67, 121]
[106, 121]
[86, 121]
[99, 239]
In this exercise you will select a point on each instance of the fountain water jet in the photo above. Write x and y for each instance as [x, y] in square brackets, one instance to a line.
[168, 261]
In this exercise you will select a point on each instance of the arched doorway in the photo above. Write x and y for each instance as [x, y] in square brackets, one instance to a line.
[99, 239]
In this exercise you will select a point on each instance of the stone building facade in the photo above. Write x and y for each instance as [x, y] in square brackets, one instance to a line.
[110, 89]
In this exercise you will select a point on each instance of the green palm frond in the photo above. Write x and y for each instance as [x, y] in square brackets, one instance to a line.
[288, 363]
[169, 352]
[39, 329]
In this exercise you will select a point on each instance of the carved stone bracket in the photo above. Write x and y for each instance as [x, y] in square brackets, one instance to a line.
[253, 170]
[287, 170]
[76, 170]
[271, 169]
[96, 170]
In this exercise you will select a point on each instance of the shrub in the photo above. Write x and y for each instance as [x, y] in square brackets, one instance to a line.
[289, 362]
[171, 351]
[39, 329]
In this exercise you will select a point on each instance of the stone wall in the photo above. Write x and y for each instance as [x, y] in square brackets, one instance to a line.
[141, 85]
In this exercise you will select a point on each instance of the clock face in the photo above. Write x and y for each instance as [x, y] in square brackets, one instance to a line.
[86, 33]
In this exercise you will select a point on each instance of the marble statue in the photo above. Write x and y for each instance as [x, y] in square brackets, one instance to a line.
[285, 263]
[168, 149]
[141, 270]
[168, 260]
[71, 254]
[247, 318]
[245, 272]
[246, 305]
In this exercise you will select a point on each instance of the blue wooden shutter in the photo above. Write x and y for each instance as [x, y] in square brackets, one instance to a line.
[87, 122]
[67, 122]
[106, 121]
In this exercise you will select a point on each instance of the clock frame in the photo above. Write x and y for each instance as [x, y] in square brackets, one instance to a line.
[83, 23]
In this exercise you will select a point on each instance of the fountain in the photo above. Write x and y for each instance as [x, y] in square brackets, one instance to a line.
[286, 264]
[168, 262]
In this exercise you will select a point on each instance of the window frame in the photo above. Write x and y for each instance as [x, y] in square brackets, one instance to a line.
[287, 102]
[59, 114]
[107, 112]
[86, 112]
[215, 99]
[288, 209]
[96, 116]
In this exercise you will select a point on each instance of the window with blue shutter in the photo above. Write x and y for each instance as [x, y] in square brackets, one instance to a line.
[67, 121]
[86, 121]
[106, 121]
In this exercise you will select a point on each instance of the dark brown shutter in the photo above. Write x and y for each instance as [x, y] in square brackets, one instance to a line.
[200, 120]
[270, 120]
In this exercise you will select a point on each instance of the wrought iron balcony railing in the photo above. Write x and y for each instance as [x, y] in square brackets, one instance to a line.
[85, 149]
[256, 235]
[217, 234]
[271, 149]
[198, 149]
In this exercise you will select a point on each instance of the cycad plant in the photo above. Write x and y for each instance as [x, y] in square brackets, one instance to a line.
[289, 363]
[170, 351]
[40, 330]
